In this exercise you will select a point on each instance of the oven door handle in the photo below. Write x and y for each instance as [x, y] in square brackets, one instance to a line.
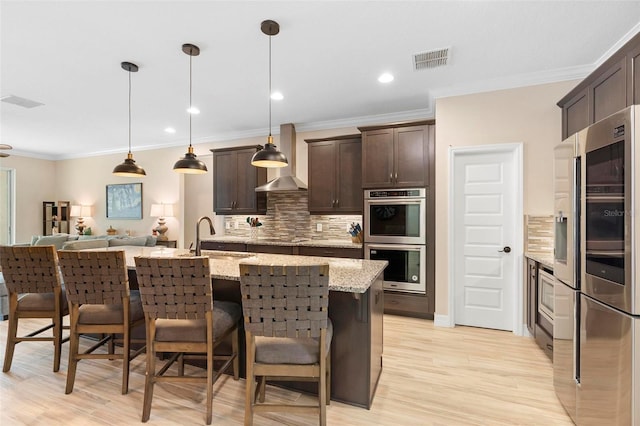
[394, 247]
[388, 201]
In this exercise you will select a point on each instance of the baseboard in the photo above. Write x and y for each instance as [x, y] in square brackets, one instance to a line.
[442, 321]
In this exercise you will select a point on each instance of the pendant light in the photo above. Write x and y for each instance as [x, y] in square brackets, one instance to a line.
[190, 164]
[129, 168]
[269, 156]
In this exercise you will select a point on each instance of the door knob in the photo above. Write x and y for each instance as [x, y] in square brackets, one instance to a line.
[506, 249]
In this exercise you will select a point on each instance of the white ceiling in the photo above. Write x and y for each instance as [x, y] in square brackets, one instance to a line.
[326, 60]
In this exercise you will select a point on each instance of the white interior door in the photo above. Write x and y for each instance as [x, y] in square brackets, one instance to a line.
[484, 215]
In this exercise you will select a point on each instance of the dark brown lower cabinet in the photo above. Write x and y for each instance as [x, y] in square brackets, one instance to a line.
[268, 248]
[349, 253]
[413, 305]
[214, 245]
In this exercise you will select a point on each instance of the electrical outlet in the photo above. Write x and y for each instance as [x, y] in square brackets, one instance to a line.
[227, 225]
[236, 224]
[319, 227]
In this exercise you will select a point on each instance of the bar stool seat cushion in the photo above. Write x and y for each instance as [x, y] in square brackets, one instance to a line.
[111, 314]
[288, 350]
[40, 302]
[225, 316]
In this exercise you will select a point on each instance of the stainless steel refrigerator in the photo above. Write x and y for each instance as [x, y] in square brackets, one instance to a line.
[609, 338]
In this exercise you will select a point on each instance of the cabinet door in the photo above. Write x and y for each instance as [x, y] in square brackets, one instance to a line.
[246, 176]
[410, 159]
[225, 171]
[575, 114]
[608, 93]
[633, 76]
[322, 176]
[377, 158]
[349, 176]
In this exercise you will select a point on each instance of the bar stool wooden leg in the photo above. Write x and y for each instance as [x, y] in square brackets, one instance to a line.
[74, 347]
[236, 360]
[12, 332]
[151, 371]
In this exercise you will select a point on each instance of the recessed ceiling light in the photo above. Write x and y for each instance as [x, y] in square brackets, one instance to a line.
[170, 130]
[193, 110]
[385, 78]
[277, 96]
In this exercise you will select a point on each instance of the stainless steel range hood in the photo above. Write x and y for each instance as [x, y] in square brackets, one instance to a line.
[287, 181]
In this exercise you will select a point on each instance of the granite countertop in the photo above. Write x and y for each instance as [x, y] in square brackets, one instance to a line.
[543, 257]
[300, 242]
[346, 275]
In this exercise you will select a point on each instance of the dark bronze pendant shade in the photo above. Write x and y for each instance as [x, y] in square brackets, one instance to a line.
[269, 156]
[129, 168]
[190, 164]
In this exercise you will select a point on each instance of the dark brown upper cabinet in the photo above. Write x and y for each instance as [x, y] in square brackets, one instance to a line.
[613, 86]
[235, 180]
[335, 175]
[397, 155]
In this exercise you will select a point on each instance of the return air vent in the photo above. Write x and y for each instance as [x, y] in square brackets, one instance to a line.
[431, 59]
[23, 102]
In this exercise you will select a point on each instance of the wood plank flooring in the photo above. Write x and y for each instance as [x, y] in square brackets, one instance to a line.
[431, 376]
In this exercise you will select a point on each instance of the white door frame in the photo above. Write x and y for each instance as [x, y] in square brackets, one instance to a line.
[516, 246]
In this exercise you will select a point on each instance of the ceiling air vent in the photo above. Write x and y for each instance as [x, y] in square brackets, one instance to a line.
[23, 102]
[432, 59]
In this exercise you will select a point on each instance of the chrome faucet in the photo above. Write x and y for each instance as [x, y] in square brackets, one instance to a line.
[211, 231]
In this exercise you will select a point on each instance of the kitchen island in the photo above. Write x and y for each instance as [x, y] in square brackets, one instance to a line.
[356, 303]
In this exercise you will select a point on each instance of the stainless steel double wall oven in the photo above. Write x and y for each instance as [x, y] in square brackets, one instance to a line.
[395, 231]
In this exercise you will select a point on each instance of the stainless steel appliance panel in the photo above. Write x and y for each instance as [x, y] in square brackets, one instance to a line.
[407, 268]
[395, 216]
[608, 222]
[546, 284]
[566, 358]
[608, 365]
[566, 185]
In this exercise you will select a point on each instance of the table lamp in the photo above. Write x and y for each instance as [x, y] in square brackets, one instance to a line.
[161, 211]
[80, 212]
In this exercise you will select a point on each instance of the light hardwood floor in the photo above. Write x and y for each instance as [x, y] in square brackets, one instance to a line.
[431, 376]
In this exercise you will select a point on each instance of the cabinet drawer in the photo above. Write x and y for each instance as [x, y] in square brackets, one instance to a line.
[350, 253]
[544, 340]
[267, 248]
[214, 245]
[406, 304]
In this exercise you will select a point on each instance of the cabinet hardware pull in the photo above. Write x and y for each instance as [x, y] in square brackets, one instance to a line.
[396, 177]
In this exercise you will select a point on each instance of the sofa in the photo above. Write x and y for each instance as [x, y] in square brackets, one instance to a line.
[83, 242]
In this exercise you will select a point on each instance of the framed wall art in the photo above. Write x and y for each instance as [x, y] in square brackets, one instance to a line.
[124, 201]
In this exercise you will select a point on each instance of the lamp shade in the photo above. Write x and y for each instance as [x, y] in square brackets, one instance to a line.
[80, 211]
[161, 210]
[269, 156]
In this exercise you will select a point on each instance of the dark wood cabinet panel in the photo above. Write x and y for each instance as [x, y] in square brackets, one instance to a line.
[614, 85]
[575, 115]
[608, 92]
[411, 161]
[335, 175]
[377, 158]
[413, 305]
[633, 76]
[235, 180]
[350, 253]
[215, 245]
[397, 156]
[532, 295]
[268, 248]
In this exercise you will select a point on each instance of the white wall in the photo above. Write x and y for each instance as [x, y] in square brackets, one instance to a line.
[84, 180]
[528, 115]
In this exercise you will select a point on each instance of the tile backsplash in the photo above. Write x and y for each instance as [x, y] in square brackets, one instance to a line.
[538, 234]
[288, 218]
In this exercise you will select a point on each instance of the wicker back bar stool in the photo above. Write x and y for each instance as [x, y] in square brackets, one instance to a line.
[182, 317]
[35, 290]
[100, 302]
[288, 333]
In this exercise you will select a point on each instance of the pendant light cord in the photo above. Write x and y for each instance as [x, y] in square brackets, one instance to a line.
[269, 86]
[190, 101]
[129, 111]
